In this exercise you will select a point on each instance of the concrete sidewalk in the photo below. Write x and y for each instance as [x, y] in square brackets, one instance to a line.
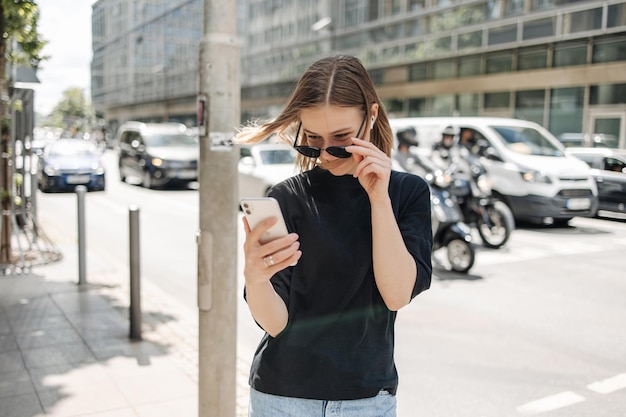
[65, 349]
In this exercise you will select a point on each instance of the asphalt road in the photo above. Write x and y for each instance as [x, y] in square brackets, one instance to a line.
[536, 328]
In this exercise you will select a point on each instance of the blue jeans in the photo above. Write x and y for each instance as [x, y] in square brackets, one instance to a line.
[267, 405]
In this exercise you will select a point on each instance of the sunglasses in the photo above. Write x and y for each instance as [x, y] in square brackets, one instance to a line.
[313, 152]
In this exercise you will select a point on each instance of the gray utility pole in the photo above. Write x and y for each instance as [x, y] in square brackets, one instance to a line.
[218, 116]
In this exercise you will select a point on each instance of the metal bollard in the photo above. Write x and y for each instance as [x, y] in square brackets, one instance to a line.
[82, 262]
[135, 288]
[33, 201]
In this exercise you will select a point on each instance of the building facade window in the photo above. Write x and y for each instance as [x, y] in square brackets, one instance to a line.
[442, 105]
[532, 58]
[607, 94]
[616, 16]
[394, 106]
[498, 62]
[470, 40]
[469, 66]
[419, 72]
[499, 100]
[582, 21]
[566, 110]
[413, 5]
[439, 46]
[570, 54]
[377, 76]
[540, 28]
[417, 107]
[443, 69]
[502, 34]
[609, 50]
[529, 105]
[468, 104]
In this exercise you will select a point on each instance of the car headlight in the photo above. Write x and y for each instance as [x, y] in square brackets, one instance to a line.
[157, 162]
[484, 184]
[50, 171]
[532, 175]
[97, 169]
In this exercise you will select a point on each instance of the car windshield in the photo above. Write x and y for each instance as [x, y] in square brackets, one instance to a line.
[171, 140]
[77, 150]
[278, 156]
[527, 141]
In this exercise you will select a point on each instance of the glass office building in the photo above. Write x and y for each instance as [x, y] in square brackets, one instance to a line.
[145, 60]
[561, 63]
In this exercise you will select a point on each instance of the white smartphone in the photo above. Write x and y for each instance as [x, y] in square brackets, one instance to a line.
[257, 209]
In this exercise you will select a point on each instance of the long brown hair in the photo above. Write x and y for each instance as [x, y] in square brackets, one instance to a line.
[337, 80]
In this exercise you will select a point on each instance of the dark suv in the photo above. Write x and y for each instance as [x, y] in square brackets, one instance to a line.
[157, 154]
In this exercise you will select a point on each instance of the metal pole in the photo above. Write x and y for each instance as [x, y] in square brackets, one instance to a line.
[135, 282]
[33, 199]
[219, 103]
[82, 262]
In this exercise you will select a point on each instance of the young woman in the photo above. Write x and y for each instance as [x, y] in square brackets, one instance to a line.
[359, 250]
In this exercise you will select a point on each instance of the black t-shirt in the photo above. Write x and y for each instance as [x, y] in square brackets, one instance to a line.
[339, 340]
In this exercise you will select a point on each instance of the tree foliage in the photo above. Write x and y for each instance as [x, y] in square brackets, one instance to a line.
[21, 20]
[73, 112]
[19, 37]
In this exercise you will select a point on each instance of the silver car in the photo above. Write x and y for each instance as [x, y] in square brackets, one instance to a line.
[263, 165]
[608, 167]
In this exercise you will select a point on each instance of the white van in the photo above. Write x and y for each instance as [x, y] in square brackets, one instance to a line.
[528, 166]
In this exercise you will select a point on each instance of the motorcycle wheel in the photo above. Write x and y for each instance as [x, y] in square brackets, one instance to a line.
[502, 223]
[461, 255]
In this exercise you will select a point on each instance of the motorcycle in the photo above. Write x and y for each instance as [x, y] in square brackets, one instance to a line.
[449, 231]
[480, 208]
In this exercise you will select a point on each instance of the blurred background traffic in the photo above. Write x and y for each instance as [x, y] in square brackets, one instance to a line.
[429, 58]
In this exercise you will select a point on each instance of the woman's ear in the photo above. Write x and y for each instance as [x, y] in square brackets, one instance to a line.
[374, 110]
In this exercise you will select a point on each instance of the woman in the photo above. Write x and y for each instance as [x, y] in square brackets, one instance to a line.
[360, 248]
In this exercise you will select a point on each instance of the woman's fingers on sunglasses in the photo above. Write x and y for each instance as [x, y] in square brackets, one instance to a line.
[370, 165]
[365, 144]
[374, 167]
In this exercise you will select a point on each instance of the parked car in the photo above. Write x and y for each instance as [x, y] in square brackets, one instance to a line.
[263, 165]
[608, 167]
[596, 140]
[67, 163]
[157, 154]
[527, 165]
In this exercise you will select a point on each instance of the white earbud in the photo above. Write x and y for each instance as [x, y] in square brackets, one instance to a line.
[372, 124]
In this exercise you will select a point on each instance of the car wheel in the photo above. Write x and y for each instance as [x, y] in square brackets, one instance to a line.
[147, 181]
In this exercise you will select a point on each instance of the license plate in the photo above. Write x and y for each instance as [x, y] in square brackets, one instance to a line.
[578, 203]
[77, 179]
[186, 174]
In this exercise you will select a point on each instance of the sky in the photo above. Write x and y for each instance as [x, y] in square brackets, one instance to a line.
[66, 25]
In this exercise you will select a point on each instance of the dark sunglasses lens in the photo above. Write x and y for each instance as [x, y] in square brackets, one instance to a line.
[338, 152]
[308, 151]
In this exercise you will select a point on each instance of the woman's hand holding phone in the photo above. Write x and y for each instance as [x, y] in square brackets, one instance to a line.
[269, 247]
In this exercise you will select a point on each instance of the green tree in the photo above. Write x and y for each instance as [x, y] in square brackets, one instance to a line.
[73, 112]
[20, 44]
